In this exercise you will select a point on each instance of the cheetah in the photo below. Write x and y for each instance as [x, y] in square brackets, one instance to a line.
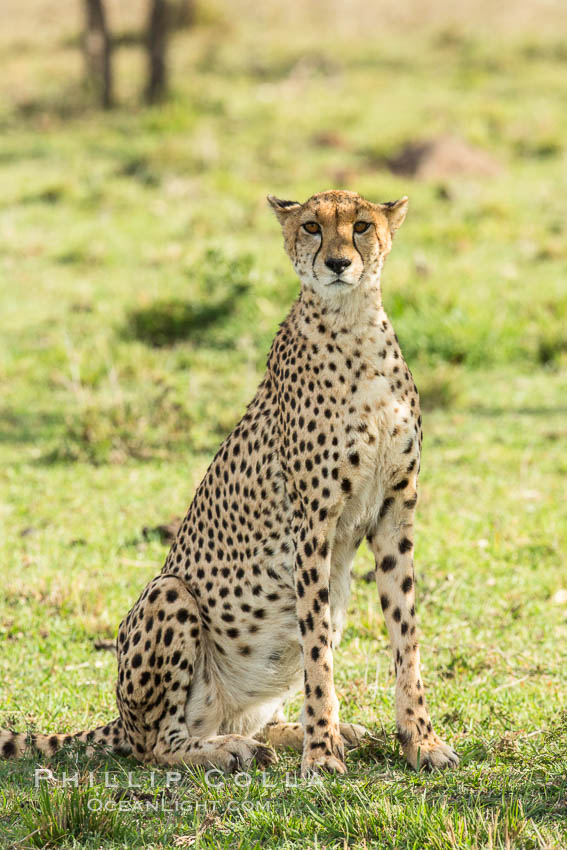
[252, 598]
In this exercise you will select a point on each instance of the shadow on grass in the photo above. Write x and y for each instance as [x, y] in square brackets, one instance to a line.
[26, 426]
[218, 283]
[166, 322]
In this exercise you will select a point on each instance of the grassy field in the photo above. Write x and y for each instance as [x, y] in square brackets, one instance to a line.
[141, 280]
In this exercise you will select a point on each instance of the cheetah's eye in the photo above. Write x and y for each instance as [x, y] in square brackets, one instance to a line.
[311, 227]
[361, 226]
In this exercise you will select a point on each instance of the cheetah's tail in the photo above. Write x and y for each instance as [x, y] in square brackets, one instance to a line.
[111, 737]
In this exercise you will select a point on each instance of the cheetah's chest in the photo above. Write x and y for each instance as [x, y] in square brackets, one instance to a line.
[384, 434]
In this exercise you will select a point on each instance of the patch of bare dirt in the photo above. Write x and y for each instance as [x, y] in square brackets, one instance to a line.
[443, 157]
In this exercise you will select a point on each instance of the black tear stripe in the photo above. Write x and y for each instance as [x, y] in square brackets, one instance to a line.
[315, 257]
[355, 246]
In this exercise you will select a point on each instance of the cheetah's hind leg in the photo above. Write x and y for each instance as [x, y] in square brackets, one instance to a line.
[159, 653]
[281, 735]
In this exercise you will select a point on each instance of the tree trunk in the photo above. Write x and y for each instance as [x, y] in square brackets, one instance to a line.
[157, 48]
[98, 48]
[182, 14]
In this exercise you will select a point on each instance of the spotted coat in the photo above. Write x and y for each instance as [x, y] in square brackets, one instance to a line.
[252, 598]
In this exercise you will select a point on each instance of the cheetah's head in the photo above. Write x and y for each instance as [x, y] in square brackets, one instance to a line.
[337, 240]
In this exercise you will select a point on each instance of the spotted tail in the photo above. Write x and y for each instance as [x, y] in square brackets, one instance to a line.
[111, 737]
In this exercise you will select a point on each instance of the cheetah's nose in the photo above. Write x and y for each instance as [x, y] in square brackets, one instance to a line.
[337, 264]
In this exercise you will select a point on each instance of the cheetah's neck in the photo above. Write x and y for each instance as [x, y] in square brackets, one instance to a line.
[357, 314]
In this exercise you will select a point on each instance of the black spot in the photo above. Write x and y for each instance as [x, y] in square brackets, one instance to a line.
[387, 503]
[9, 749]
[407, 584]
[171, 595]
[384, 601]
[405, 545]
[397, 615]
[315, 653]
[137, 660]
[153, 595]
[388, 563]
[168, 636]
[401, 485]
[182, 615]
[346, 486]
[354, 458]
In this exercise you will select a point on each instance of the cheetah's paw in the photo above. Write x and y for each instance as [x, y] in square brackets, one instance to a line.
[314, 764]
[324, 755]
[353, 734]
[239, 753]
[433, 754]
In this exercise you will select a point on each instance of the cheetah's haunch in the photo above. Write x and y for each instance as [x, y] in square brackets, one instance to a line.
[252, 598]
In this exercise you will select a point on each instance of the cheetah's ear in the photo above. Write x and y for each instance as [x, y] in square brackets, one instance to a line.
[282, 208]
[395, 212]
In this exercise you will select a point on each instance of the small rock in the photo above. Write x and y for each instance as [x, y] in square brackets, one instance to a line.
[167, 532]
[105, 645]
[330, 139]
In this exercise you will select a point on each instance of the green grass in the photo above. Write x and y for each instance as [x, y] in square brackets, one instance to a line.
[141, 281]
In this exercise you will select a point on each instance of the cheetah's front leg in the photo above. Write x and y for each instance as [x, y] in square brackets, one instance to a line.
[392, 546]
[323, 745]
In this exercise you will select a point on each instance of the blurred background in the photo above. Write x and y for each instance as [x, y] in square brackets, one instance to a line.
[142, 278]
[138, 142]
